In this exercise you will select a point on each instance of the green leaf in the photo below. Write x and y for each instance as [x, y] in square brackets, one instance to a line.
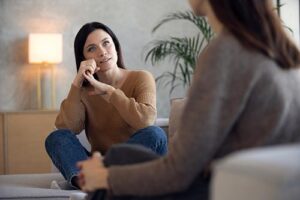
[182, 52]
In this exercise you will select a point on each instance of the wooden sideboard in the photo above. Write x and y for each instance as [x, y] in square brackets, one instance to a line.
[22, 138]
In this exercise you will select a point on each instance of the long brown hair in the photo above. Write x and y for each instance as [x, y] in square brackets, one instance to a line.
[257, 26]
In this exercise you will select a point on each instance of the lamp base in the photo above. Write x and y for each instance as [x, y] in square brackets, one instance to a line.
[46, 98]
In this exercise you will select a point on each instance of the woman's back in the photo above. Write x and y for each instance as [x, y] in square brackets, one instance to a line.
[255, 102]
[238, 99]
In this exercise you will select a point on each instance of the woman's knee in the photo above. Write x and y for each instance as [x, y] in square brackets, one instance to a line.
[156, 133]
[160, 136]
[57, 137]
[152, 137]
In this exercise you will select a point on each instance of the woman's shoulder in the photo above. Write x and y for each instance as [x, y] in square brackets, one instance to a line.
[223, 44]
[139, 74]
[139, 79]
[226, 47]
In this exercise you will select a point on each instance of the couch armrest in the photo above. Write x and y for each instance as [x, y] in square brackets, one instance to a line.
[260, 174]
[162, 122]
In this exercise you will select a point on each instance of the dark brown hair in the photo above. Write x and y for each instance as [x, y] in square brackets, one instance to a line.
[257, 26]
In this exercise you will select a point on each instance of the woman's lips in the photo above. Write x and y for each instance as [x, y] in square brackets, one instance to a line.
[104, 61]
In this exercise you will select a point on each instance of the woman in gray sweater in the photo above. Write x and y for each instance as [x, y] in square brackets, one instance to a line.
[245, 93]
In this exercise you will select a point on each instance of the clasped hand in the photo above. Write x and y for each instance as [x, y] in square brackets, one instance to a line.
[93, 175]
[87, 69]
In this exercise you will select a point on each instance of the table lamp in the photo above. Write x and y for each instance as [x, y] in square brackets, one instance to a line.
[45, 49]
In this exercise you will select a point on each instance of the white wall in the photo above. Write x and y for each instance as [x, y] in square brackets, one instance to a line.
[131, 20]
[290, 17]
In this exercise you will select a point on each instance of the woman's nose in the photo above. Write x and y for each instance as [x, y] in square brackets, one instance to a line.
[102, 51]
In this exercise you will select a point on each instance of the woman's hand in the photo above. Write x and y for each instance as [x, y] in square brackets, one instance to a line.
[93, 175]
[86, 66]
[100, 88]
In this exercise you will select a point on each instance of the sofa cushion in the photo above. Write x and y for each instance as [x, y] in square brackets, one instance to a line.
[34, 186]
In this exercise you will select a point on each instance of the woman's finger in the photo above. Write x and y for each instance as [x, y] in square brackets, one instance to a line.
[80, 164]
[97, 155]
[92, 93]
[88, 71]
[89, 77]
[97, 69]
[81, 181]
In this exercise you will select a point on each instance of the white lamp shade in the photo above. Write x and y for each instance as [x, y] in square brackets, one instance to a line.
[45, 48]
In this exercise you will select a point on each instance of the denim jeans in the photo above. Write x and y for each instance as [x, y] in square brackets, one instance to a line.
[65, 150]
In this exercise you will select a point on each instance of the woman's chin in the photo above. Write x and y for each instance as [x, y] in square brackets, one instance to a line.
[104, 68]
[107, 66]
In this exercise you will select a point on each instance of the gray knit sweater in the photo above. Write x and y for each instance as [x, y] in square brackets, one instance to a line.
[238, 99]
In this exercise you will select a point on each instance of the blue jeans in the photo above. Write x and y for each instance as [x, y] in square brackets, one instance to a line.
[65, 150]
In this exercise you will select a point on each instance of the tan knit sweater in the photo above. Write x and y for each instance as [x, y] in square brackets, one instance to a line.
[131, 107]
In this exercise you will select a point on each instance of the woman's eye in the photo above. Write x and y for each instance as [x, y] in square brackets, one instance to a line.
[105, 43]
[91, 49]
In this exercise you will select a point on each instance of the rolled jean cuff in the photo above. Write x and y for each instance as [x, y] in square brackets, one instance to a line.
[70, 181]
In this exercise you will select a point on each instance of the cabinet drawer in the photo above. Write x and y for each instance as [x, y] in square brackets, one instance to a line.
[25, 136]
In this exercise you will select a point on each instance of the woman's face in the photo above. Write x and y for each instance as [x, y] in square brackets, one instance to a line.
[199, 7]
[100, 47]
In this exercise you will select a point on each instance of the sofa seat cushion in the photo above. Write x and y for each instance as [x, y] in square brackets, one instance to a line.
[34, 186]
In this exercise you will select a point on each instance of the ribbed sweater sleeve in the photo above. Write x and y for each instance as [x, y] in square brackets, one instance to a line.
[138, 111]
[217, 96]
[72, 112]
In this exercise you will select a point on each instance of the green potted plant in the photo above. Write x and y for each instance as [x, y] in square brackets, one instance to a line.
[182, 51]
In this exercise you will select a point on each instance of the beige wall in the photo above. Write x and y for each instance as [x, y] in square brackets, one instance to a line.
[131, 20]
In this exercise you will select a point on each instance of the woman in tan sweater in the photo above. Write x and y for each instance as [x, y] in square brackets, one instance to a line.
[245, 93]
[115, 105]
